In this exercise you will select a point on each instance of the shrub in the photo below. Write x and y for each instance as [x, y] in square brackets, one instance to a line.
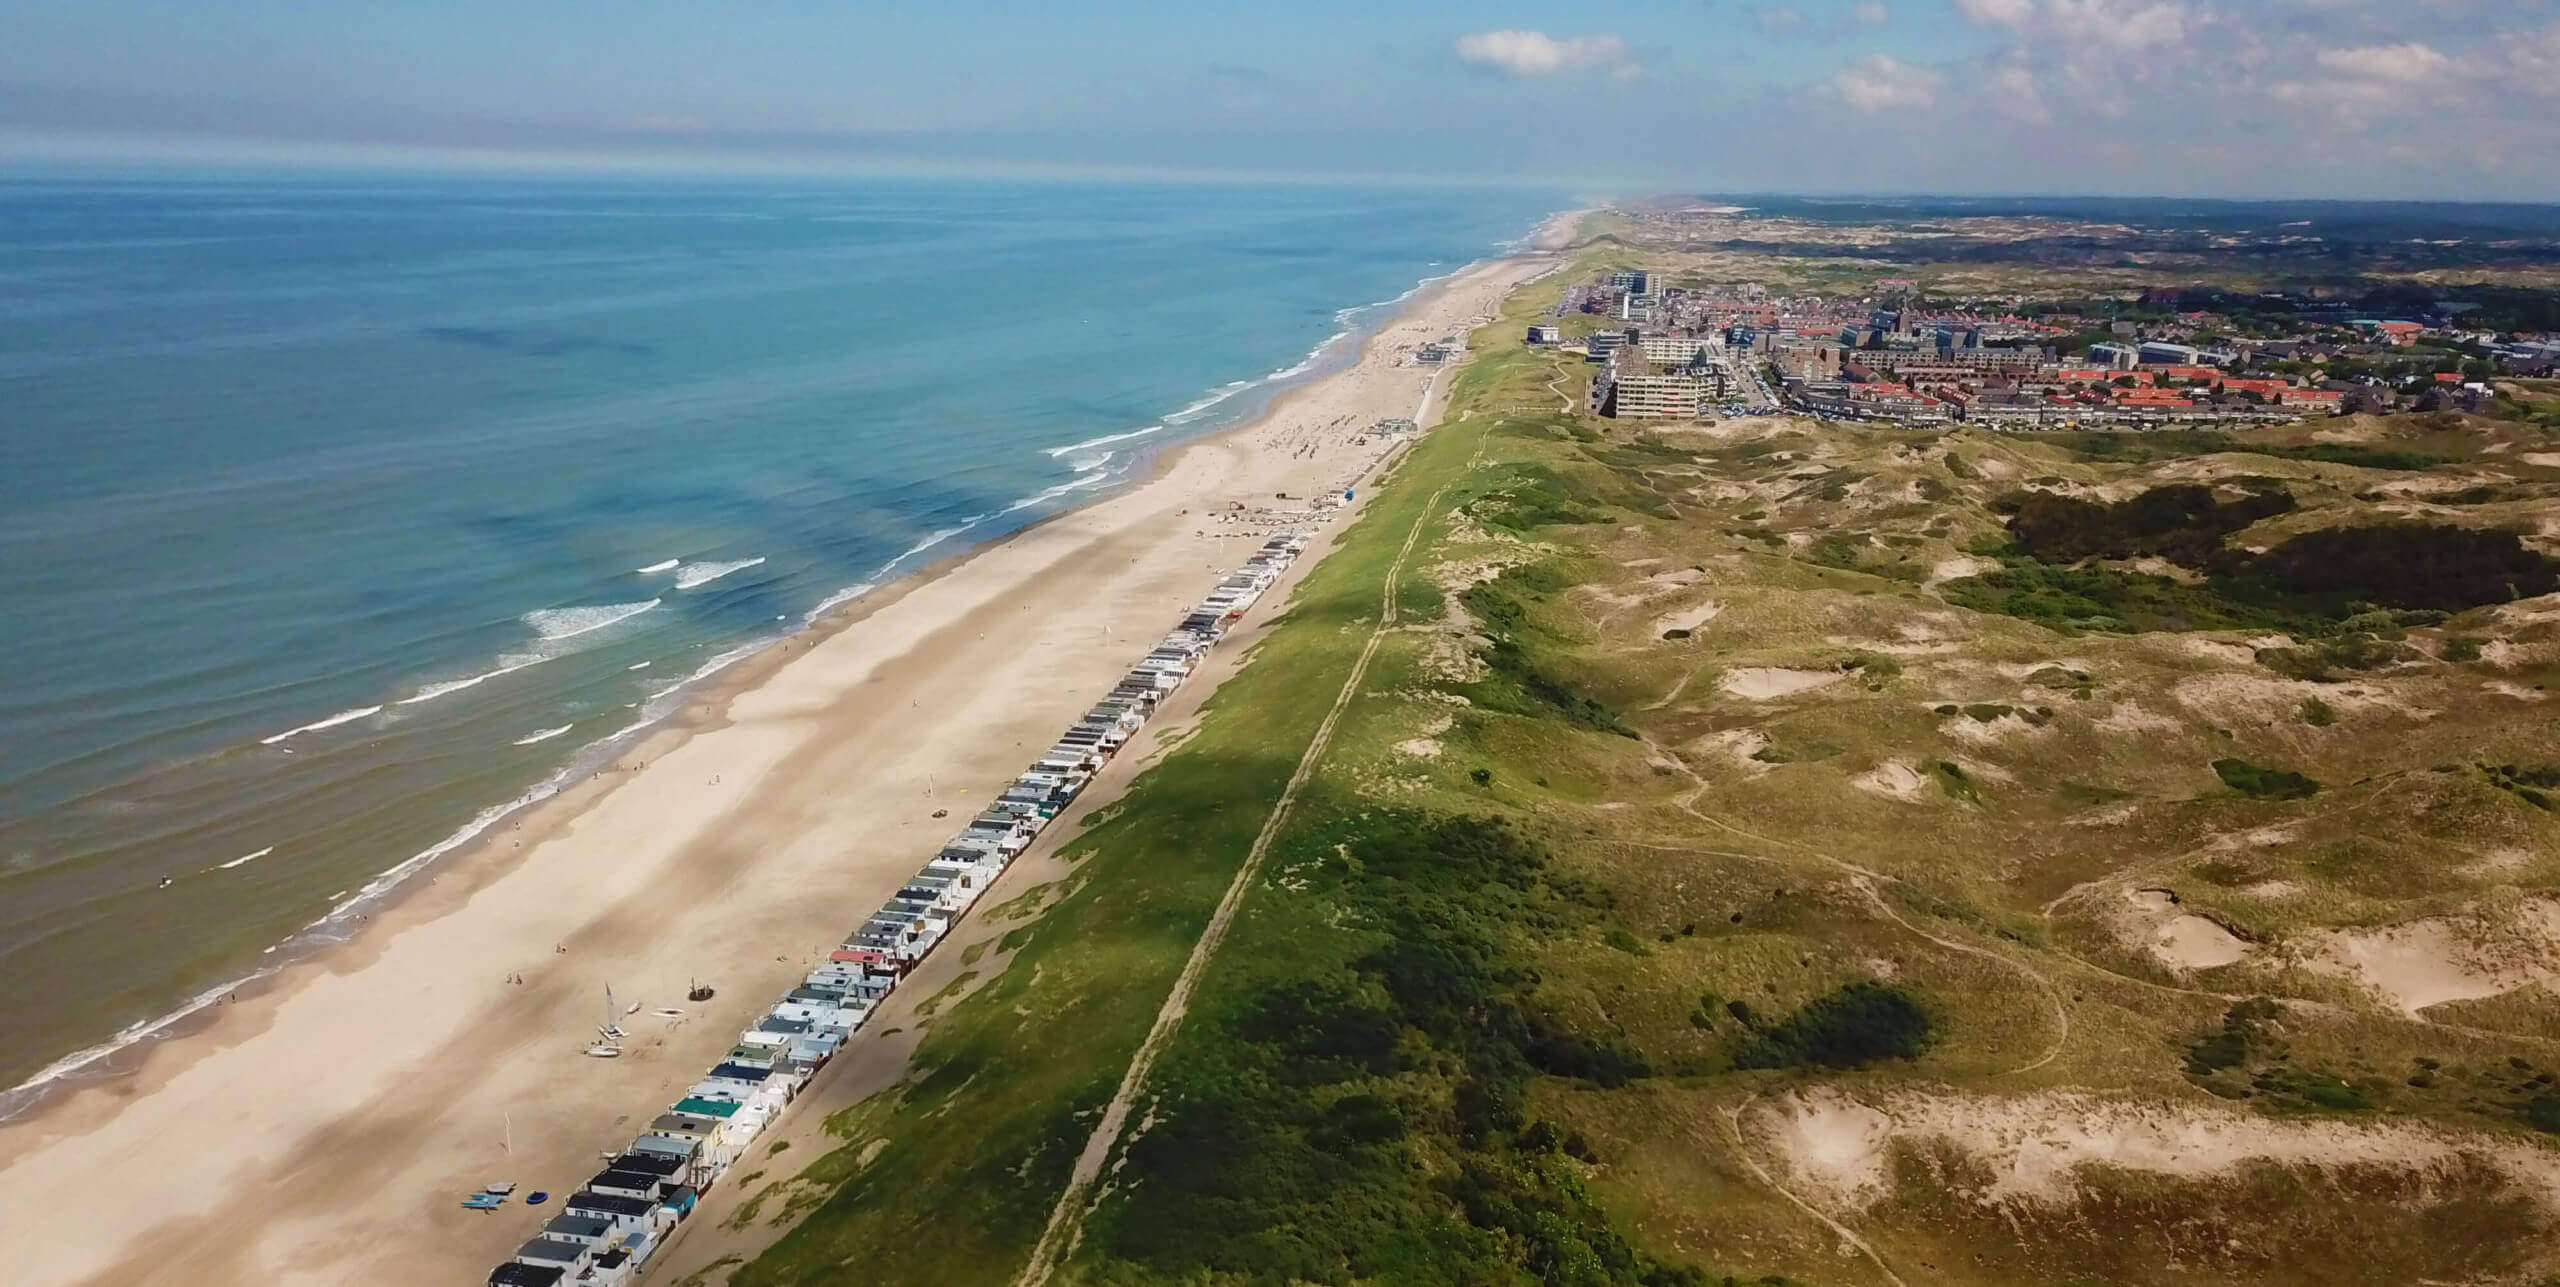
[2408, 565]
[2317, 713]
[2264, 783]
[2108, 599]
[2183, 522]
[1859, 1024]
[2221, 1050]
[2244, 1026]
[1296, 1115]
[1957, 782]
[2332, 1094]
[1875, 666]
[2320, 662]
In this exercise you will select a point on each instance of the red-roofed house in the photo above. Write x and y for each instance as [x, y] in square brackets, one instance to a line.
[2271, 390]
[2330, 398]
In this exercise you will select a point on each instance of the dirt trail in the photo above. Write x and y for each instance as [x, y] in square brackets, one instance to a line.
[1865, 881]
[1066, 1218]
[1742, 1150]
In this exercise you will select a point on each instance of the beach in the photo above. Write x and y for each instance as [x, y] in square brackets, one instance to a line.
[323, 1130]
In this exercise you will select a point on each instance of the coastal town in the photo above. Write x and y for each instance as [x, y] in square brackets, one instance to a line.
[614, 1225]
[1898, 354]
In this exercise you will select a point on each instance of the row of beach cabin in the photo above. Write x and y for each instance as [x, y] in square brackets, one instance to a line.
[608, 1230]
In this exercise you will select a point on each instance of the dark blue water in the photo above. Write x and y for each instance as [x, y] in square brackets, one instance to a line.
[333, 515]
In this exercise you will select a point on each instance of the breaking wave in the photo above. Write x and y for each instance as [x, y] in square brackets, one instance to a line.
[506, 666]
[569, 623]
[342, 717]
[694, 574]
[244, 858]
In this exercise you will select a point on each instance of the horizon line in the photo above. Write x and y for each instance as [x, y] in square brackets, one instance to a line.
[43, 154]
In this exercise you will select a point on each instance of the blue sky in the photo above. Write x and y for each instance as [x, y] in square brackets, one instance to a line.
[2430, 98]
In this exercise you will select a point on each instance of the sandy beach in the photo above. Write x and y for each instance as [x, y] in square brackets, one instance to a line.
[323, 1130]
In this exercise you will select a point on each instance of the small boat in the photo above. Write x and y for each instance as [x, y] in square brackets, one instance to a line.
[499, 1190]
[604, 1050]
[536, 1198]
[483, 1202]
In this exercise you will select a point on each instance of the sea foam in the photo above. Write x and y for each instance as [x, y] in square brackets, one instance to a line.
[569, 623]
[342, 717]
[543, 736]
[694, 574]
[506, 666]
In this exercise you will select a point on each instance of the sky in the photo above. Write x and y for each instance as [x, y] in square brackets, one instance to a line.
[2435, 99]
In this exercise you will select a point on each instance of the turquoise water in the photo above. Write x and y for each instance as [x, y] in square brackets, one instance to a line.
[340, 515]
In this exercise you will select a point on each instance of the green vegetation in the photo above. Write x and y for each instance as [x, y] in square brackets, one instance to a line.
[1531, 1006]
[2532, 784]
[2174, 443]
[2104, 599]
[2408, 565]
[2248, 1058]
[2322, 661]
[2264, 783]
[1522, 678]
[1862, 1023]
[1355, 1107]
[2357, 579]
[2245, 1022]
[2182, 523]
[1533, 497]
[956, 1167]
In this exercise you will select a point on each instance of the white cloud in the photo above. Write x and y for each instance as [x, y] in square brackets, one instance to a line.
[1878, 83]
[1777, 18]
[1997, 13]
[2400, 63]
[1870, 13]
[2367, 81]
[2119, 24]
[1535, 53]
[2012, 91]
[2533, 63]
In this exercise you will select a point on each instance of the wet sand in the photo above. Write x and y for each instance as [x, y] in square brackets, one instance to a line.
[324, 1130]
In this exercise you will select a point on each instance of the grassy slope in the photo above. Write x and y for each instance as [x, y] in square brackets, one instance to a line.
[966, 1156]
[1691, 894]
[1773, 881]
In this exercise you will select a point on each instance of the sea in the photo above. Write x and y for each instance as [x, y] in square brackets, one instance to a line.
[341, 516]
